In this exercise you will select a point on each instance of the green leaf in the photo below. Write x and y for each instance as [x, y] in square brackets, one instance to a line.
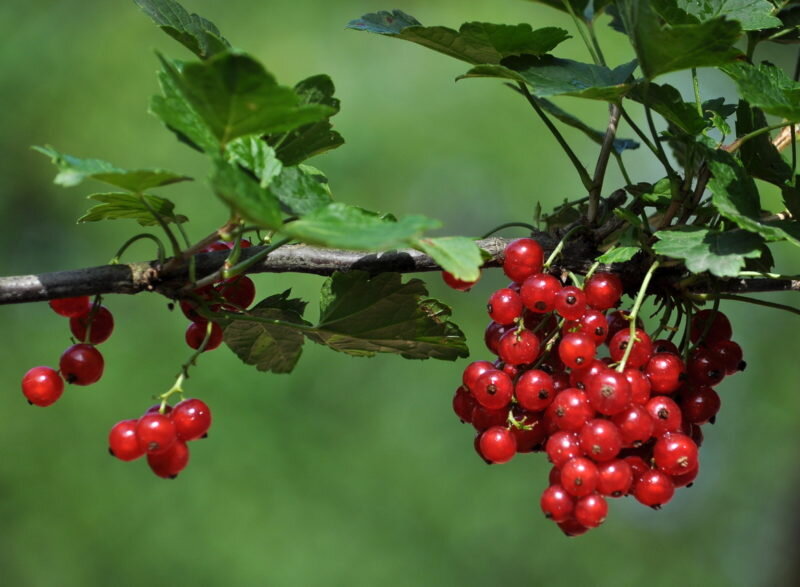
[767, 87]
[199, 35]
[475, 42]
[122, 205]
[618, 255]
[664, 48]
[551, 76]
[270, 347]
[455, 254]
[244, 194]
[597, 136]
[759, 155]
[721, 253]
[341, 226]
[362, 315]
[233, 96]
[300, 191]
[314, 138]
[659, 194]
[752, 14]
[73, 170]
[256, 156]
[668, 102]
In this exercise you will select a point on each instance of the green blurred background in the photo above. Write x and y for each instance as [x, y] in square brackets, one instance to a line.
[349, 471]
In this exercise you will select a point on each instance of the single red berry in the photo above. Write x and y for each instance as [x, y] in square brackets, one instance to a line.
[494, 390]
[640, 353]
[70, 307]
[591, 511]
[665, 413]
[704, 367]
[534, 390]
[654, 488]
[539, 291]
[518, 347]
[532, 435]
[99, 323]
[640, 386]
[483, 419]
[239, 292]
[570, 302]
[42, 386]
[572, 527]
[457, 284]
[192, 419]
[554, 477]
[579, 476]
[730, 354]
[196, 333]
[699, 404]
[715, 325]
[504, 306]
[217, 246]
[600, 440]
[570, 410]
[662, 345]
[81, 364]
[665, 372]
[592, 323]
[638, 466]
[473, 371]
[609, 392]
[556, 503]
[123, 442]
[498, 445]
[685, 479]
[576, 350]
[580, 377]
[675, 454]
[635, 425]
[615, 478]
[156, 433]
[492, 335]
[603, 290]
[522, 258]
[463, 404]
[170, 462]
[562, 446]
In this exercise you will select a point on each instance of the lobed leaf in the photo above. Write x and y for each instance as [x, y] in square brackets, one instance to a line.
[767, 87]
[618, 255]
[145, 209]
[455, 254]
[244, 195]
[668, 102]
[721, 253]
[752, 14]
[200, 36]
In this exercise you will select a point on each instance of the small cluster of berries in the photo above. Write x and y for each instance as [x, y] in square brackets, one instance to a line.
[161, 434]
[80, 364]
[231, 295]
[626, 424]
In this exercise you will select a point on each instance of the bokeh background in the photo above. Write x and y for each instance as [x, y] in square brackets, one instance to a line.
[349, 471]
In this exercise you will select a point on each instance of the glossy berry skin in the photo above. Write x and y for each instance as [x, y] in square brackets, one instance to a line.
[609, 392]
[498, 445]
[705, 368]
[638, 466]
[556, 503]
[576, 350]
[580, 377]
[716, 326]
[493, 390]
[640, 386]
[617, 320]
[534, 390]
[665, 372]
[81, 364]
[570, 410]
[615, 478]
[562, 446]
[239, 292]
[591, 511]
[654, 488]
[483, 419]
[457, 284]
[699, 404]
[634, 424]
[463, 404]
[685, 479]
[102, 325]
[675, 454]
[42, 386]
[539, 291]
[70, 307]
[579, 476]
[473, 371]
[493, 334]
[600, 440]
[592, 323]
[572, 527]
[662, 345]
[532, 436]
[522, 258]
[192, 419]
[603, 290]
[570, 302]
[640, 353]
[730, 354]
[156, 433]
[170, 462]
[196, 333]
[665, 413]
[123, 442]
[504, 306]
[518, 347]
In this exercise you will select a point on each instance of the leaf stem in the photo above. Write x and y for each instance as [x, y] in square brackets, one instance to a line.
[757, 302]
[176, 248]
[239, 268]
[578, 25]
[145, 235]
[510, 225]
[637, 306]
[734, 146]
[696, 86]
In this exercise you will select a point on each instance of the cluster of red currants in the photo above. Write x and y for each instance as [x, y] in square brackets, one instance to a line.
[231, 295]
[162, 435]
[625, 424]
[80, 364]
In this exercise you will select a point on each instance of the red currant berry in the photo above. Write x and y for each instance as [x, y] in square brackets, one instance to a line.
[70, 307]
[594, 324]
[665, 413]
[675, 454]
[42, 386]
[609, 392]
[463, 404]
[99, 323]
[600, 440]
[539, 291]
[603, 290]
[493, 334]
[572, 527]
[662, 345]
[122, 441]
[640, 353]
[473, 371]
[534, 390]
[576, 350]
[580, 377]
[170, 462]
[730, 354]
[494, 390]
[483, 419]
[665, 372]
[635, 425]
[579, 476]
[699, 404]
[556, 503]
[456, 283]
[498, 445]
[156, 409]
[554, 478]
[570, 302]
[239, 292]
[562, 446]
[518, 347]
[81, 364]
[616, 478]
[591, 511]
[532, 435]
[192, 419]
[640, 386]
[504, 306]
[653, 488]
[618, 320]
[704, 367]
[522, 258]
[686, 479]
[715, 325]
[196, 334]
[570, 410]
[156, 433]
[638, 466]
